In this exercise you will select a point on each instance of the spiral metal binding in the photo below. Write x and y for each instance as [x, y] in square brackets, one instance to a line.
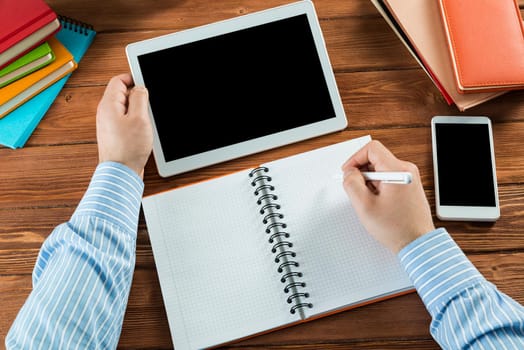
[297, 295]
[274, 225]
[272, 215]
[268, 206]
[281, 244]
[277, 234]
[291, 285]
[263, 187]
[75, 25]
[287, 263]
[299, 306]
[284, 254]
[272, 218]
[266, 196]
[260, 178]
[290, 274]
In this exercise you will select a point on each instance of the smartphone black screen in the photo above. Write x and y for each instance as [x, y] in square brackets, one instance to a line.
[465, 165]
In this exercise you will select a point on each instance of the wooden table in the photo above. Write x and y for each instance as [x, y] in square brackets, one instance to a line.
[385, 94]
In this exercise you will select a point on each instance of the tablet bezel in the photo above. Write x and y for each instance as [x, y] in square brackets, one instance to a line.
[237, 150]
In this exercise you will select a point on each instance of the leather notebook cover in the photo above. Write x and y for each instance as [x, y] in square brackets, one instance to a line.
[421, 23]
[486, 43]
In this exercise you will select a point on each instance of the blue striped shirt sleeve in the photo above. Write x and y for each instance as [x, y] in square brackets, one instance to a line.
[467, 311]
[83, 274]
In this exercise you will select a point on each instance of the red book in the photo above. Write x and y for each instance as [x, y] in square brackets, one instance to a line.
[24, 24]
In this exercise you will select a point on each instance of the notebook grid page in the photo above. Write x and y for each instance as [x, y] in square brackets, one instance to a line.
[341, 263]
[217, 280]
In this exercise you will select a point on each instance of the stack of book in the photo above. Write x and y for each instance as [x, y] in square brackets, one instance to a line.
[472, 50]
[39, 50]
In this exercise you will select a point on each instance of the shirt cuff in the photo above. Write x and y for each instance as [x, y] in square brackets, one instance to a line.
[115, 195]
[438, 269]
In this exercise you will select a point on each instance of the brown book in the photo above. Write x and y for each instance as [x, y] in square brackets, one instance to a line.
[420, 23]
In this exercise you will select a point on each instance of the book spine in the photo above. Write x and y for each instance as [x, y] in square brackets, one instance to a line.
[292, 279]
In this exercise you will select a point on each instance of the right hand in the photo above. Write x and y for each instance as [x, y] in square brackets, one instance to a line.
[393, 214]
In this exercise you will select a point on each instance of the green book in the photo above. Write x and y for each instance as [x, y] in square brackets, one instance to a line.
[30, 62]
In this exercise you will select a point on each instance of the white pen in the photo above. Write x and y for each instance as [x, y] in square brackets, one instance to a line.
[388, 177]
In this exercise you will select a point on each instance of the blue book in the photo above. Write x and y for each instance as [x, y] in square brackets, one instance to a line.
[17, 126]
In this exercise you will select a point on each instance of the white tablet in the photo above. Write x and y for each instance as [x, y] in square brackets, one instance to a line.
[237, 87]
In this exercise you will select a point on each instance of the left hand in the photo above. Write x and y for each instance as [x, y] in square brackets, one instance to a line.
[123, 125]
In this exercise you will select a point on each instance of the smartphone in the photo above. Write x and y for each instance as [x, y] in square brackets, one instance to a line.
[464, 168]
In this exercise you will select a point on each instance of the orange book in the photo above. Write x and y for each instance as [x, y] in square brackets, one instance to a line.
[20, 91]
[420, 26]
[486, 43]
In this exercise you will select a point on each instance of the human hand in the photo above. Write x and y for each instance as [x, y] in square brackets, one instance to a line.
[393, 214]
[123, 126]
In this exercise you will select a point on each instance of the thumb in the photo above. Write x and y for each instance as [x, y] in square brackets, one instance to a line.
[138, 102]
[355, 187]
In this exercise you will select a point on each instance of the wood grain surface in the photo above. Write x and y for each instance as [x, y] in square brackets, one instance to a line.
[385, 94]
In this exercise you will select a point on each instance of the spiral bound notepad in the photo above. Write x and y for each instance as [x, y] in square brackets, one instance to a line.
[265, 248]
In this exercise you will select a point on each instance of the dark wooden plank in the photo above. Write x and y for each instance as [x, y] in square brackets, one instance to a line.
[371, 101]
[420, 344]
[413, 144]
[489, 237]
[13, 292]
[61, 180]
[71, 119]
[135, 15]
[145, 321]
[385, 99]
[46, 176]
[24, 230]
[353, 44]
[385, 94]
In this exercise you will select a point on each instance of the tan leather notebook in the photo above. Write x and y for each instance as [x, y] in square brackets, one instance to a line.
[421, 23]
[486, 42]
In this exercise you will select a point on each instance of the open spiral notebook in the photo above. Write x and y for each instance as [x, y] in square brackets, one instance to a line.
[265, 248]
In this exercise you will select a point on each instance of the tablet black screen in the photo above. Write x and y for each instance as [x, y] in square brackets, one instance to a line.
[236, 87]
